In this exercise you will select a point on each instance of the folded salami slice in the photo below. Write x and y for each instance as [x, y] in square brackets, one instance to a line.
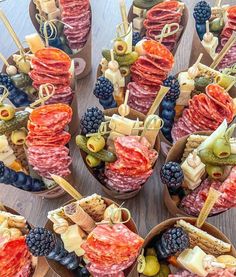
[159, 16]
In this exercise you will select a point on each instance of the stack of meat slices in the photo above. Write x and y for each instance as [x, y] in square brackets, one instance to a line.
[111, 249]
[51, 66]
[77, 14]
[230, 27]
[15, 258]
[193, 202]
[161, 14]
[133, 165]
[46, 140]
[205, 112]
[148, 74]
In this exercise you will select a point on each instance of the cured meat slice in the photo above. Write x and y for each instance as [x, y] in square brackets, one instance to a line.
[14, 256]
[133, 165]
[111, 249]
[167, 12]
[205, 112]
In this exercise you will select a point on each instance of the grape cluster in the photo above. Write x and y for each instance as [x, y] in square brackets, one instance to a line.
[19, 179]
[17, 96]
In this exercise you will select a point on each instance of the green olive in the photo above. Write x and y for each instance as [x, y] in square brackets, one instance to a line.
[7, 112]
[120, 47]
[125, 71]
[96, 143]
[18, 137]
[164, 271]
[215, 172]
[201, 83]
[216, 25]
[92, 161]
[221, 148]
[151, 252]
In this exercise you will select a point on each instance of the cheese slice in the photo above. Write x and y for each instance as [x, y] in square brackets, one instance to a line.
[192, 260]
[121, 125]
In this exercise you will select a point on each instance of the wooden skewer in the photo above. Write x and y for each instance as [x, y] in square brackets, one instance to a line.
[224, 51]
[112, 55]
[218, 3]
[160, 95]
[124, 15]
[11, 31]
[212, 198]
[67, 187]
[124, 108]
[4, 60]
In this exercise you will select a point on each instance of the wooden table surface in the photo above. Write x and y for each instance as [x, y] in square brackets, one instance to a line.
[147, 208]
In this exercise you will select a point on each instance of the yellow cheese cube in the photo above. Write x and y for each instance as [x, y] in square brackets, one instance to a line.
[192, 260]
[72, 238]
[49, 6]
[139, 12]
[121, 125]
[35, 42]
[192, 172]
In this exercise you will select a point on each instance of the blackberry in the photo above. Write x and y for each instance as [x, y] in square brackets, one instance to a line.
[2, 169]
[172, 241]
[103, 88]
[172, 176]
[202, 12]
[91, 120]
[136, 38]
[174, 92]
[40, 241]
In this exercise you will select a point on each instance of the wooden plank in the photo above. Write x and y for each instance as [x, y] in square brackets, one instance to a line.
[148, 207]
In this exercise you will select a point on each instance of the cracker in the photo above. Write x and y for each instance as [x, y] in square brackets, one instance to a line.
[93, 205]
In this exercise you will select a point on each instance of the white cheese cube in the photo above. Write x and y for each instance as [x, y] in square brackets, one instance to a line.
[139, 12]
[138, 23]
[54, 15]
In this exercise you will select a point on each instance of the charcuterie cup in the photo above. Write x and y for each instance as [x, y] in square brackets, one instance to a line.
[109, 191]
[183, 23]
[61, 270]
[39, 265]
[83, 57]
[56, 191]
[163, 226]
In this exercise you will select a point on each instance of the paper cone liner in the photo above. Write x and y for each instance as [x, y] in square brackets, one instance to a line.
[175, 154]
[165, 144]
[184, 22]
[113, 193]
[73, 128]
[39, 263]
[61, 270]
[212, 230]
[83, 58]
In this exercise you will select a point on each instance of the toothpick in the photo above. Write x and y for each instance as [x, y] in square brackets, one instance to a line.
[124, 109]
[124, 15]
[218, 3]
[67, 187]
[112, 55]
[11, 31]
[224, 51]
[207, 27]
[160, 95]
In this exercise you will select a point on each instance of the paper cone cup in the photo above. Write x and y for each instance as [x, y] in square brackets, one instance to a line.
[39, 264]
[62, 271]
[113, 193]
[165, 144]
[175, 154]
[83, 58]
[210, 229]
[184, 22]
[197, 49]
[73, 127]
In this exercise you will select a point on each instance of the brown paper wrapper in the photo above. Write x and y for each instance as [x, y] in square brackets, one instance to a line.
[212, 230]
[165, 144]
[83, 58]
[112, 193]
[40, 266]
[184, 22]
[73, 127]
[175, 154]
[62, 271]
[197, 49]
